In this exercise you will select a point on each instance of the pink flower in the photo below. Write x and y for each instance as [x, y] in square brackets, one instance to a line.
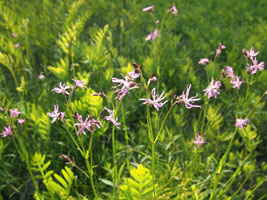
[62, 89]
[149, 8]
[152, 36]
[152, 79]
[241, 123]
[199, 140]
[82, 125]
[204, 61]
[134, 74]
[184, 98]
[256, 66]
[219, 50]
[212, 89]
[250, 54]
[14, 113]
[229, 72]
[21, 121]
[111, 117]
[78, 83]
[14, 34]
[16, 45]
[126, 84]
[157, 21]
[41, 77]
[56, 114]
[70, 161]
[236, 81]
[173, 10]
[7, 131]
[156, 102]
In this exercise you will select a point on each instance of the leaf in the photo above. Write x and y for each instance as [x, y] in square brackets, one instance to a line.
[107, 182]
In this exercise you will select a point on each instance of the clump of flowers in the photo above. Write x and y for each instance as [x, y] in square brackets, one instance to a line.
[184, 98]
[212, 89]
[56, 114]
[8, 131]
[253, 66]
[203, 61]
[156, 100]
[152, 35]
[220, 48]
[14, 112]
[241, 123]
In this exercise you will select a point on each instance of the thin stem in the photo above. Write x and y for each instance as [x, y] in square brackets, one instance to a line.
[126, 136]
[153, 169]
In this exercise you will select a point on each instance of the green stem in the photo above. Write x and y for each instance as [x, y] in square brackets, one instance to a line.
[153, 169]
[126, 137]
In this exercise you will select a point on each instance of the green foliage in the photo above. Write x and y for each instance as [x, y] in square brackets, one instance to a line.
[139, 186]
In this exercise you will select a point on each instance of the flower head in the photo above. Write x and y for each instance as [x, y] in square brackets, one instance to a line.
[184, 98]
[62, 89]
[229, 72]
[156, 100]
[14, 34]
[70, 161]
[212, 89]
[79, 83]
[82, 125]
[253, 68]
[149, 8]
[16, 45]
[250, 54]
[236, 81]
[111, 117]
[173, 10]
[152, 35]
[152, 79]
[204, 61]
[41, 77]
[14, 112]
[21, 121]
[7, 131]
[199, 140]
[220, 48]
[56, 114]
[127, 84]
[241, 123]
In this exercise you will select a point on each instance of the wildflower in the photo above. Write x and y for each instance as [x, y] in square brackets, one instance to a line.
[212, 89]
[79, 83]
[236, 81]
[127, 84]
[111, 117]
[173, 10]
[7, 131]
[229, 72]
[82, 124]
[93, 124]
[62, 89]
[256, 66]
[134, 74]
[152, 79]
[156, 102]
[250, 54]
[241, 123]
[21, 121]
[14, 34]
[152, 36]
[14, 113]
[41, 77]
[184, 98]
[219, 50]
[70, 161]
[157, 21]
[204, 61]
[56, 114]
[16, 45]
[199, 140]
[149, 8]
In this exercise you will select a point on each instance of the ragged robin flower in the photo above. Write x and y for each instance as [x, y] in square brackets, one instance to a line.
[111, 118]
[241, 123]
[56, 114]
[199, 140]
[184, 98]
[156, 100]
[62, 89]
[212, 89]
[7, 131]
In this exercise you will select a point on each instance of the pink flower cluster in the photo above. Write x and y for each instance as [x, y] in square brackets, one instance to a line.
[56, 114]
[89, 123]
[220, 48]
[152, 35]
[212, 89]
[235, 80]
[253, 66]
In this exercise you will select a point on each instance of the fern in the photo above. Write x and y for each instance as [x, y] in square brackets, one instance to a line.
[139, 186]
[61, 70]
[214, 118]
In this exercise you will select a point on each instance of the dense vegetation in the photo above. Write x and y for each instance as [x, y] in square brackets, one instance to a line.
[81, 116]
